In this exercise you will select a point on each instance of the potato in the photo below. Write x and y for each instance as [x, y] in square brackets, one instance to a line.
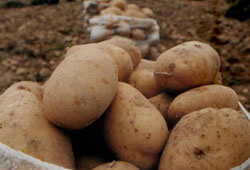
[122, 59]
[80, 89]
[30, 86]
[153, 53]
[122, 4]
[88, 162]
[216, 96]
[134, 13]
[24, 128]
[133, 6]
[218, 79]
[112, 10]
[148, 12]
[146, 64]
[144, 81]
[212, 139]
[162, 102]
[138, 34]
[187, 65]
[129, 46]
[134, 129]
[119, 165]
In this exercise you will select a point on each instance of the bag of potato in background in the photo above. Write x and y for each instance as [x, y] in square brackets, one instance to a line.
[104, 19]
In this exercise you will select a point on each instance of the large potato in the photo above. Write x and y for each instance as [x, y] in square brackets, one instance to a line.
[129, 46]
[186, 66]
[216, 96]
[134, 129]
[146, 64]
[211, 139]
[144, 81]
[30, 86]
[80, 89]
[24, 128]
[119, 165]
[122, 59]
[162, 102]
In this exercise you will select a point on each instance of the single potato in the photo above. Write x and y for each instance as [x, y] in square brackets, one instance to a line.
[80, 89]
[148, 12]
[144, 81]
[24, 128]
[133, 6]
[187, 65]
[134, 129]
[216, 96]
[211, 139]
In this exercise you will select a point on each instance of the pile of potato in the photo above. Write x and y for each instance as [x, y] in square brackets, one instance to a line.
[107, 103]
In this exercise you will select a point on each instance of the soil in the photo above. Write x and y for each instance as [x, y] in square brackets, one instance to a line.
[34, 39]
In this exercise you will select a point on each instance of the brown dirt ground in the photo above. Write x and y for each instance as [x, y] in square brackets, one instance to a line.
[33, 39]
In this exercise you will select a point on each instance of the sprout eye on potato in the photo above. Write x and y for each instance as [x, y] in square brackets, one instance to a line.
[186, 66]
[214, 139]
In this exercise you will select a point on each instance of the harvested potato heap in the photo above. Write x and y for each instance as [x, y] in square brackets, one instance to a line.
[123, 108]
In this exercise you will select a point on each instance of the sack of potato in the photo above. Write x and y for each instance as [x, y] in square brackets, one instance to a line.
[104, 102]
[117, 18]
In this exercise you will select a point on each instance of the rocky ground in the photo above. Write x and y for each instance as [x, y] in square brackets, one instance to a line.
[33, 39]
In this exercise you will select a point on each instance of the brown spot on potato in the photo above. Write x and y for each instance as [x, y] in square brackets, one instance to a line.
[1, 126]
[92, 88]
[199, 153]
[149, 135]
[23, 88]
[76, 101]
[136, 130]
[105, 81]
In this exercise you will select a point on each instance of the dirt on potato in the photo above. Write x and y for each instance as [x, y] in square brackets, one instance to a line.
[34, 39]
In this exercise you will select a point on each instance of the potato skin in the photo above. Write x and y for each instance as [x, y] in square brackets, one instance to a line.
[187, 65]
[77, 48]
[122, 4]
[30, 86]
[116, 165]
[88, 162]
[129, 46]
[218, 79]
[24, 128]
[212, 139]
[216, 96]
[144, 81]
[146, 64]
[134, 129]
[80, 89]
[162, 102]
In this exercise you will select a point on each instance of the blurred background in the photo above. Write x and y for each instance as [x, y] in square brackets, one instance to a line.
[35, 34]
